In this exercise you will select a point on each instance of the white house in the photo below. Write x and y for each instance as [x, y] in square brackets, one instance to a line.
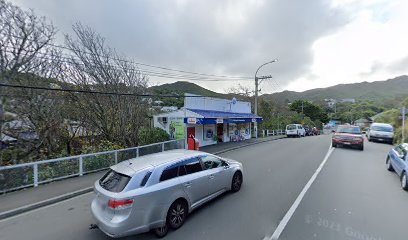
[210, 120]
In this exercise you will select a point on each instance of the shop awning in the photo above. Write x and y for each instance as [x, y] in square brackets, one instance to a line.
[213, 117]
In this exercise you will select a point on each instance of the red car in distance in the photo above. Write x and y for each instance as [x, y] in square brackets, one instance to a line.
[348, 135]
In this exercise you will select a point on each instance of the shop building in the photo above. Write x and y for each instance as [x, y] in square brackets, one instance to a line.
[210, 120]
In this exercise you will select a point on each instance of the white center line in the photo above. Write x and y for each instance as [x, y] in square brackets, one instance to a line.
[292, 209]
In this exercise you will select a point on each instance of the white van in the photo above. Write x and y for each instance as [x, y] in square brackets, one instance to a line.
[382, 132]
[295, 130]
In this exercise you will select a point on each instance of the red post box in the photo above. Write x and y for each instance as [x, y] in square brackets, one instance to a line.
[193, 143]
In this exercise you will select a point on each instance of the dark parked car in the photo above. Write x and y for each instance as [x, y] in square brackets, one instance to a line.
[348, 135]
[308, 130]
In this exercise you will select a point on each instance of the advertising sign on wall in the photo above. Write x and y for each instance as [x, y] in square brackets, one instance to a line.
[208, 131]
[176, 128]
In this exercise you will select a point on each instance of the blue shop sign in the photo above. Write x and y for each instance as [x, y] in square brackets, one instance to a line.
[226, 120]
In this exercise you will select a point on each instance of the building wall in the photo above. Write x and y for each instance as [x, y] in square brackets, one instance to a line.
[217, 104]
[199, 130]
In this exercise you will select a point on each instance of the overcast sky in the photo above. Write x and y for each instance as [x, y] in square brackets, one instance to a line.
[317, 43]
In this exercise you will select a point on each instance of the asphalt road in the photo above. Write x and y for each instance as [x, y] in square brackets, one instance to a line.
[353, 197]
[353, 190]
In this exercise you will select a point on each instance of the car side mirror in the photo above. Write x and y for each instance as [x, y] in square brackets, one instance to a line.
[226, 166]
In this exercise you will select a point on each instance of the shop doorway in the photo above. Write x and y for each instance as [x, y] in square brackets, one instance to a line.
[191, 132]
[220, 132]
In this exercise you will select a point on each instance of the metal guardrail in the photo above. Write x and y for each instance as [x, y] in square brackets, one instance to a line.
[24, 175]
[283, 132]
[273, 132]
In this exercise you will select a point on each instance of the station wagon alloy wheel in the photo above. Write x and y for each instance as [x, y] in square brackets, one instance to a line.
[177, 214]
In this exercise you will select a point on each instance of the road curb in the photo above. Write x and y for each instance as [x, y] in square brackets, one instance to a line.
[246, 145]
[20, 210]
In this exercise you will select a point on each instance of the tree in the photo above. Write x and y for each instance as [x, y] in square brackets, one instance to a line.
[309, 109]
[405, 103]
[349, 112]
[266, 109]
[27, 58]
[98, 67]
[242, 92]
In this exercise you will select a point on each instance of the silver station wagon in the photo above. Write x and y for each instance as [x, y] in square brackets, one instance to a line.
[156, 192]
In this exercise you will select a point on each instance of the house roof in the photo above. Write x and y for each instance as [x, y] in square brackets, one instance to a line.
[6, 138]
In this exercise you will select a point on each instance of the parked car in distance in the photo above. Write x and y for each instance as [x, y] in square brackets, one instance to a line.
[382, 132]
[295, 130]
[315, 131]
[397, 160]
[348, 135]
[308, 130]
[157, 191]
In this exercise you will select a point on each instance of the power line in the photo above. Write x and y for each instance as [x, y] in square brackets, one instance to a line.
[149, 65]
[69, 59]
[96, 92]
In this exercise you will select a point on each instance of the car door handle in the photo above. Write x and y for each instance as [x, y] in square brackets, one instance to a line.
[211, 176]
[187, 184]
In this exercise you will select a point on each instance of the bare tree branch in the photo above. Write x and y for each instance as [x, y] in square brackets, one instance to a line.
[99, 67]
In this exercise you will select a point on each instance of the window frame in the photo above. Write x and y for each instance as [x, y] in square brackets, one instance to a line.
[398, 149]
[192, 160]
[167, 169]
[217, 158]
[123, 176]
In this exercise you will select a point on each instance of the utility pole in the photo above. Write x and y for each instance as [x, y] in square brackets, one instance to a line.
[256, 93]
[403, 123]
[256, 99]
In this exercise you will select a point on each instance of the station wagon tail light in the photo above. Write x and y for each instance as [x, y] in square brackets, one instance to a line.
[120, 204]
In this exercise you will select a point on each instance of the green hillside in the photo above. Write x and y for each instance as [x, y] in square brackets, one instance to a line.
[184, 87]
[389, 92]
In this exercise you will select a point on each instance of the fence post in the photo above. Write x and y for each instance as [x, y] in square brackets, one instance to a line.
[81, 169]
[116, 157]
[162, 147]
[35, 176]
[137, 152]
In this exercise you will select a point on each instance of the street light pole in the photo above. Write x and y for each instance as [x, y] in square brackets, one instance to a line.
[256, 95]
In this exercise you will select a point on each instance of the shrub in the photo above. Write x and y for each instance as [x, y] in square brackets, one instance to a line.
[152, 135]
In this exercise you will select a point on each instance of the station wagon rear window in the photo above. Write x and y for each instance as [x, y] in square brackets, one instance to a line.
[114, 181]
[352, 130]
[291, 127]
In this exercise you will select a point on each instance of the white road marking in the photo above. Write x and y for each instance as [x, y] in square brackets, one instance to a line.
[292, 209]
[45, 207]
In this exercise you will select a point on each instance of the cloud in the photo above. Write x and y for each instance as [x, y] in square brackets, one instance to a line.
[233, 37]
[372, 46]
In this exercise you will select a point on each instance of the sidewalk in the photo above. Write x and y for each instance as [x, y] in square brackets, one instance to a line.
[17, 202]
